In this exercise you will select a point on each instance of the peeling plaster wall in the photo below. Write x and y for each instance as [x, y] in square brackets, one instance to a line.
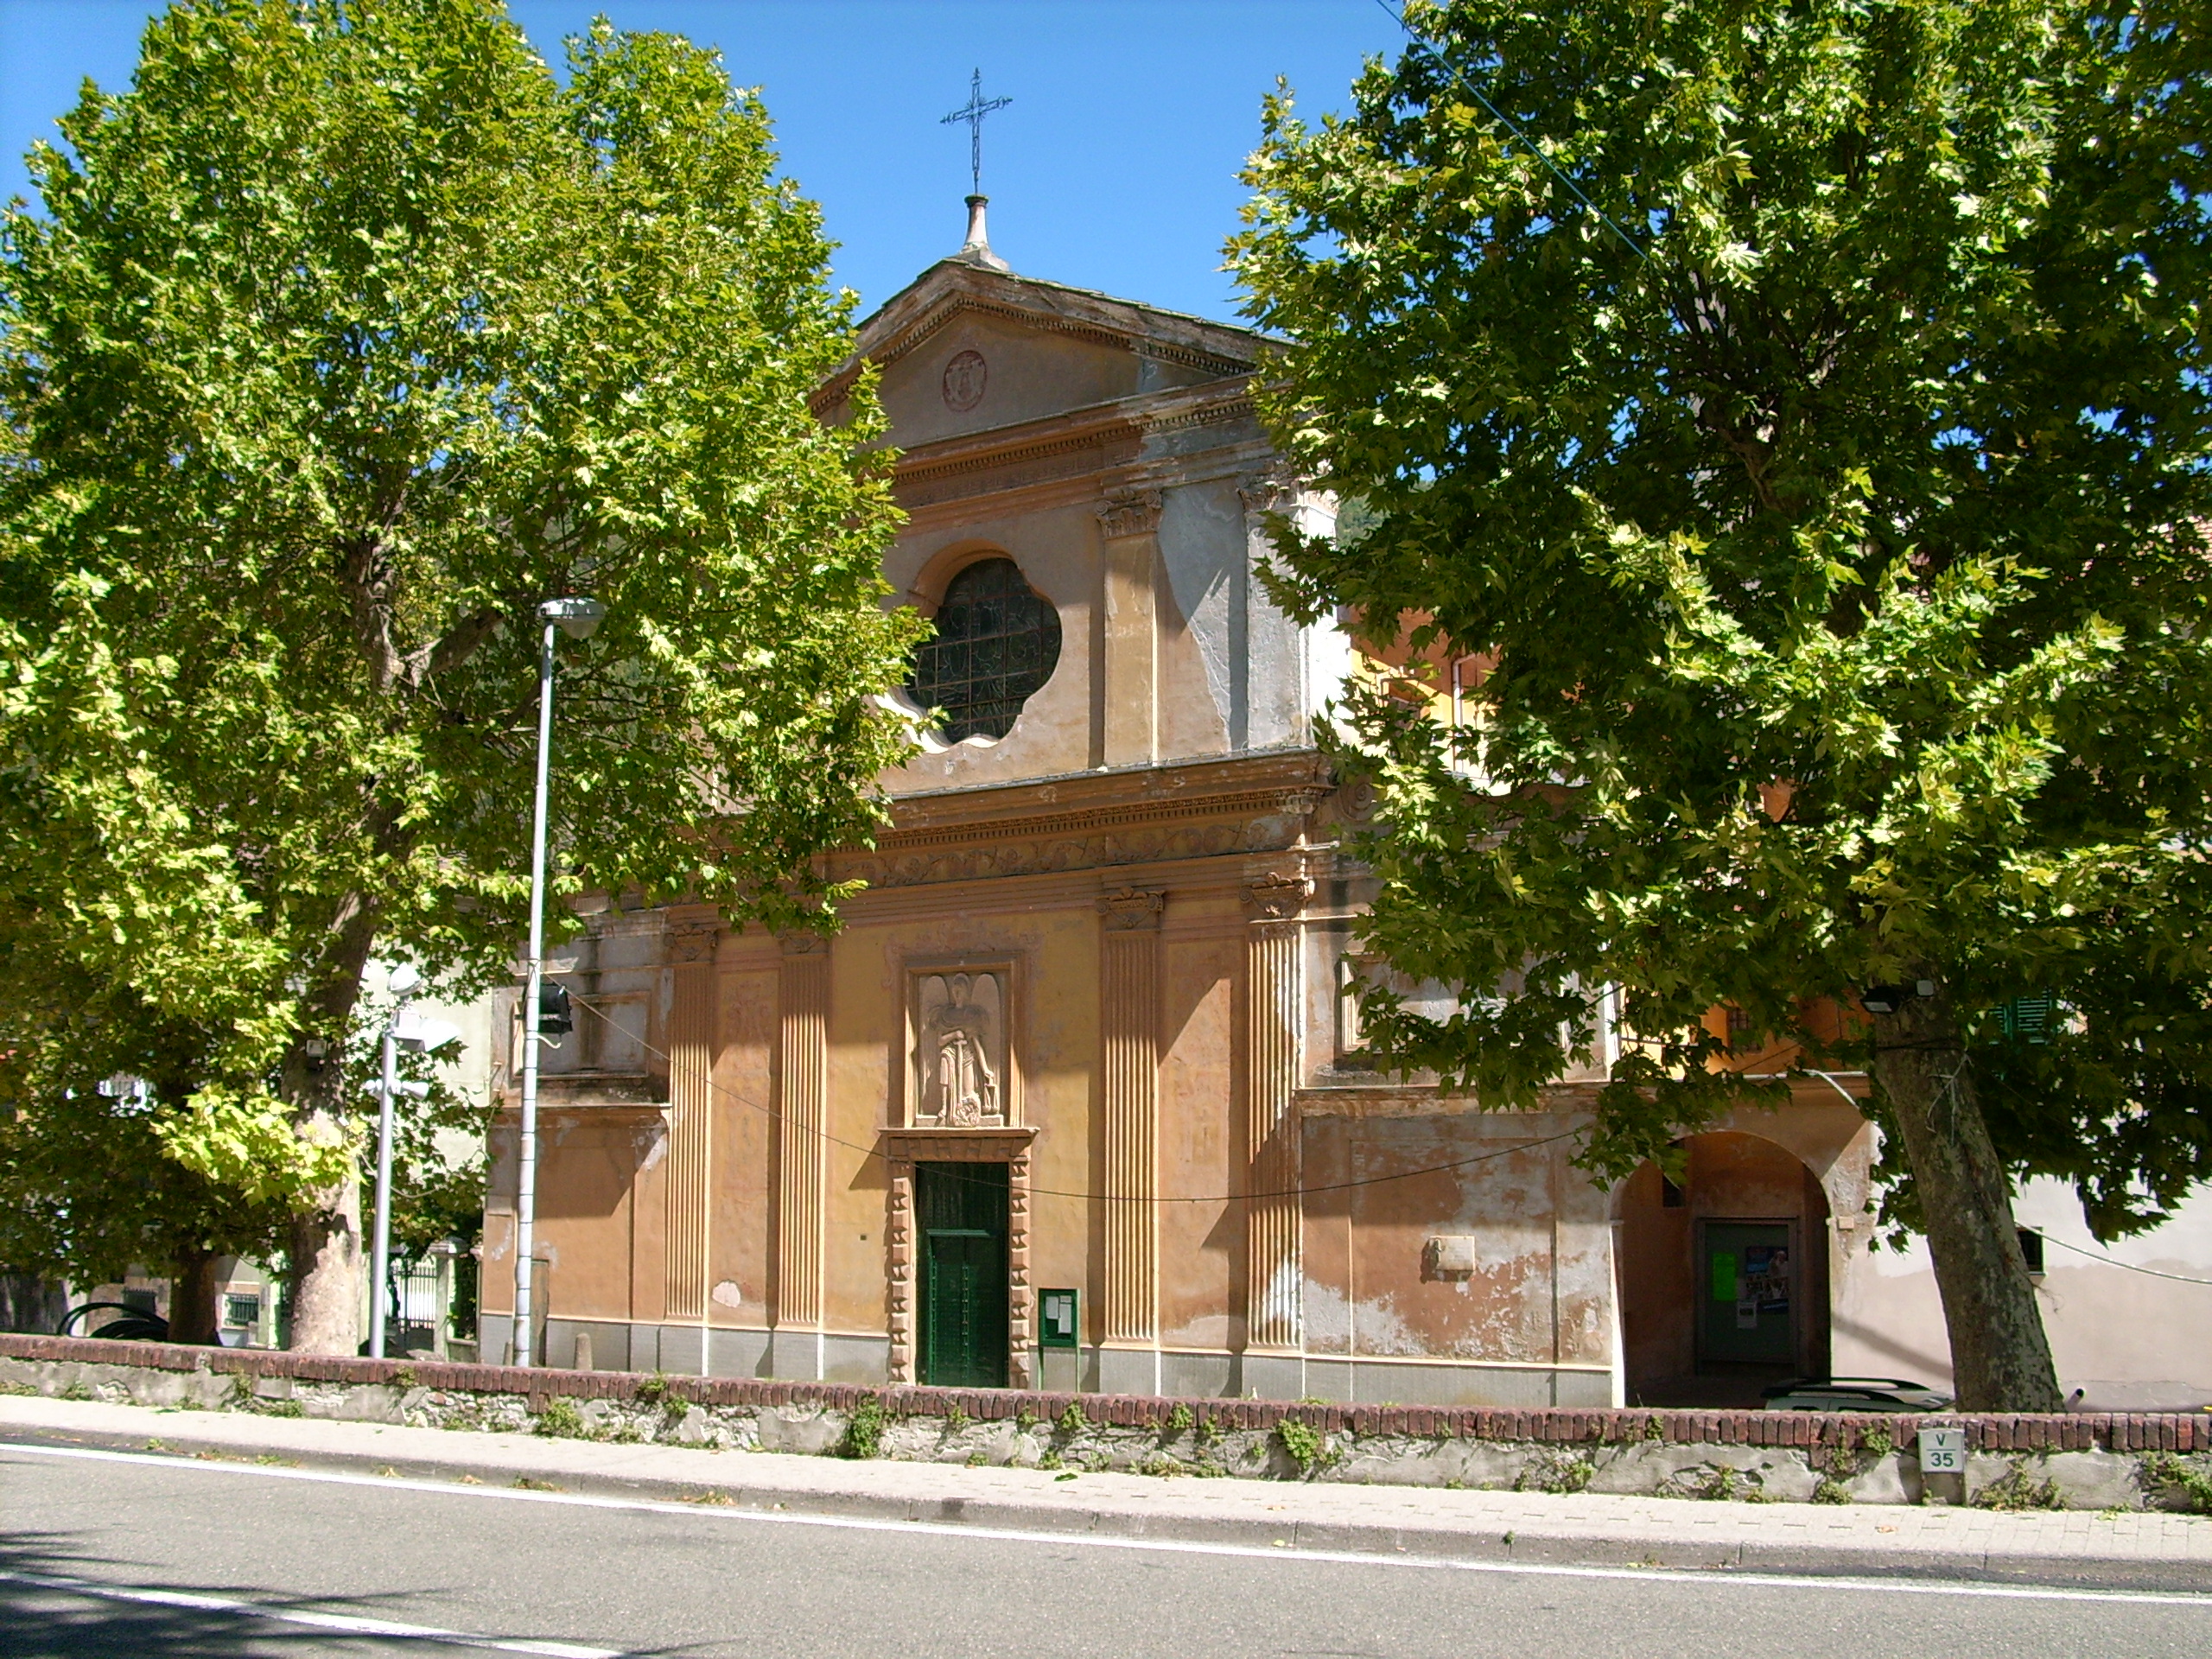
[1540, 1293]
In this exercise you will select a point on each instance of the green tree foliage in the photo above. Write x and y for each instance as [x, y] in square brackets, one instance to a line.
[88, 1187]
[345, 337]
[1799, 411]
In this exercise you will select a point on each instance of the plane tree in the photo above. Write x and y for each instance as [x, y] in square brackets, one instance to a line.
[1792, 419]
[336, 344]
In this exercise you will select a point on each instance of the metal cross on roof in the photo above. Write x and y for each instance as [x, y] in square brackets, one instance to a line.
[978, 107]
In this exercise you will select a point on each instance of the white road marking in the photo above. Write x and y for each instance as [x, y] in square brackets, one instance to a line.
[345, 1622]
[1707, 1577]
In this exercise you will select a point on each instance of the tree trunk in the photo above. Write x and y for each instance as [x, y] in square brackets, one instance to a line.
[2000, 1358]
[323, 1276]
[194, 1289]
[324, 1270]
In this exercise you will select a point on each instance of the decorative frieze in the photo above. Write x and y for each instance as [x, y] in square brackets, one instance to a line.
[1270, 1044]
[1129, 1020]
[1039, 857]
[802, 1100]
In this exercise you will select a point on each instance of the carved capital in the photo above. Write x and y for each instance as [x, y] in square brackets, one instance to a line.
[1134, 514]
[1132, 908]
[1277, 897]
[1266, 492]
[694, 940]
[804, 944]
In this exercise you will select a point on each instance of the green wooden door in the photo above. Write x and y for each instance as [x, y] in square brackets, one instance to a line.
[1747, 1289]
[961, 1212]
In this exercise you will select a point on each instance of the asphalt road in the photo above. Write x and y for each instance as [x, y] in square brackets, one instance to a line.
[104, 1554]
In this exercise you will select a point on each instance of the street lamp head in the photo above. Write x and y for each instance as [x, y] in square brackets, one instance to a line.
[403, 979]
[578, 617]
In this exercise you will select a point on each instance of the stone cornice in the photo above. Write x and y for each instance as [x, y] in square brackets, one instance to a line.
[1130, 795]
[1433, 1100]
[1048, 486]
[1245, 805]
[1101, 437]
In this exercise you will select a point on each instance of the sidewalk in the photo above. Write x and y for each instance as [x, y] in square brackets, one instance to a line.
[2145, 1551]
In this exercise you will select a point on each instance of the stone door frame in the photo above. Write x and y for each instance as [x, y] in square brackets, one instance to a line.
[902, 1150]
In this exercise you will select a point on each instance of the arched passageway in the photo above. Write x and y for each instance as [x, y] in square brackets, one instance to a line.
[1723, 1276]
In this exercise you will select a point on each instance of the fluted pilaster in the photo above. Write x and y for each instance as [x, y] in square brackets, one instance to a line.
[692, 947]
[1272, 1213]
[1130, 1021]
[801, 1098]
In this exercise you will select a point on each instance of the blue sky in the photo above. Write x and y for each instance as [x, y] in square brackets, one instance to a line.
[1114, 168]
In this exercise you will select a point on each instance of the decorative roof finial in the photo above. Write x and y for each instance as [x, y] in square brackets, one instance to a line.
[977, 107]
[976, 250]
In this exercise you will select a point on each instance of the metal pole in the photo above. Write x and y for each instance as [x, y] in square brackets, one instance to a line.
[380, 1269]
[526, 1173]
[440, 1328]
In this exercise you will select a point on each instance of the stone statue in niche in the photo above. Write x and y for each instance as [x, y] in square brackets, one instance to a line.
[960, 1051]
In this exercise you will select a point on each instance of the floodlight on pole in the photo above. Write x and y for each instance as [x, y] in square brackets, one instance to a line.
[575, 616]
[578, 617]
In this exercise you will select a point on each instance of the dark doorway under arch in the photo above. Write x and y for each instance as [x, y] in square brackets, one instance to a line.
[1723, 1276]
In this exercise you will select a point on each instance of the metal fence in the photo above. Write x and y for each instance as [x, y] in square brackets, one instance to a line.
[425, 1309]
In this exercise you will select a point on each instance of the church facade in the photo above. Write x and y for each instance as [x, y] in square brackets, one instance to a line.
[1075, 1099]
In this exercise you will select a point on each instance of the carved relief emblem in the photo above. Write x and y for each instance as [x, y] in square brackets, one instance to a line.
[960, 1051]
[964, 380]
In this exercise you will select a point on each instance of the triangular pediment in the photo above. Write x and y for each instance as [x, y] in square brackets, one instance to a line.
[964, 349]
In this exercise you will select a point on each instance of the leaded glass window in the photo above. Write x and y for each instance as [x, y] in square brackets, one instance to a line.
[997, 641]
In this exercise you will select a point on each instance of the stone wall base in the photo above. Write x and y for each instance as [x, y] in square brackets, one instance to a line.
[2085, 1461]
[720, 1351]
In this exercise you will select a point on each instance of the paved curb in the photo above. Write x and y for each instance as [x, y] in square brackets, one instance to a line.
[1517, 1528]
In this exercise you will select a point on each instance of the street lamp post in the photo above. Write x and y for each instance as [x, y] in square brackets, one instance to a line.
[578, 618]
[401, 980]
[400, 1031]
